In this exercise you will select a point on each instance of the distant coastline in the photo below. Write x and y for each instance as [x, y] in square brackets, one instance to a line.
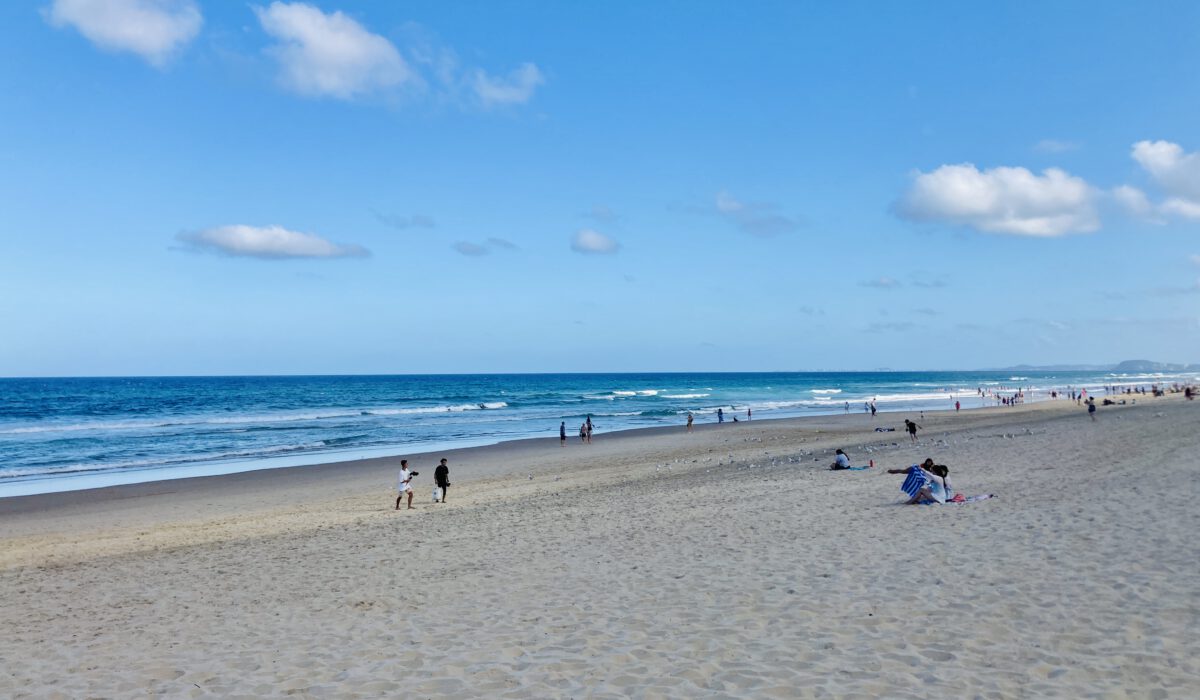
[62, 434]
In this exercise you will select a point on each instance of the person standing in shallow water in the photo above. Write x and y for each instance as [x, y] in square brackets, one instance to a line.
[562, 434]
[690, 419]
[441, 477]
[720, 415]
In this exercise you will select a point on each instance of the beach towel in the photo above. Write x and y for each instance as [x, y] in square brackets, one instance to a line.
[915, 481]
[855, 469]
[918, 479]
[960, 499]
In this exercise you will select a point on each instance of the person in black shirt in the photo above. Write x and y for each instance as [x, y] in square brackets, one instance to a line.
[441, 477]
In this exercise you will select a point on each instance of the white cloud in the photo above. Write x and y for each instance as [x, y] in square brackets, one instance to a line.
[881, 283]
[1176, 171]
[330, 55]
[1133, 200]
[152, 29]
[1187, 208]
[270, 242]
[515, 88]
[592, 242]
[727, 204]
[755, 218]
[1055, 146]
[1002, 200]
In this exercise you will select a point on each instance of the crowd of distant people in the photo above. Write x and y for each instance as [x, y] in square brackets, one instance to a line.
[934, 478]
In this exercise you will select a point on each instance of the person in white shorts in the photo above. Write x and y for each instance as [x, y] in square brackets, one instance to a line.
[405, 484]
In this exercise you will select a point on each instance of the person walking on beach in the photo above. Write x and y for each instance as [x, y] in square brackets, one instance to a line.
[690, 419]
[720, 415]
[873, 409]
[957, 406]
[406, 478]
[912, 429]
[847, 407]
[747, 413]
[562, 434]
[583, 432]
[1091, 403]
[441, 475]
[589, 429]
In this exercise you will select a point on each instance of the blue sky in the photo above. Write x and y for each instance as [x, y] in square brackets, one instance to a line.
[202, 187]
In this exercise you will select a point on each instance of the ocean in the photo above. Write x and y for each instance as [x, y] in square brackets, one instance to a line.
[71, 433]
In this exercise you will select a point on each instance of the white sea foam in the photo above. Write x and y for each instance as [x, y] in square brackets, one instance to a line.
[26, 472]
[930, 396]
[826, 391]
[684, 396]
[622, 393]
[249, 419]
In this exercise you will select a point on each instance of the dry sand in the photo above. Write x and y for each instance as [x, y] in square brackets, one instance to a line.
[606, 576]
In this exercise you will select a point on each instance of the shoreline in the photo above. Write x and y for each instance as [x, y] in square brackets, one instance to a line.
[355, 467]
[66, 454]
[23, 487]
[729, 561]
[262, 493]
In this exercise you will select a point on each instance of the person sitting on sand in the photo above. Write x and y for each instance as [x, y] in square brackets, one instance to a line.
[942, 473]
[925, 482]
[841, 461]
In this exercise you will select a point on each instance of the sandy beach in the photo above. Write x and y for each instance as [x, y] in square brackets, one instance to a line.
[724, 563]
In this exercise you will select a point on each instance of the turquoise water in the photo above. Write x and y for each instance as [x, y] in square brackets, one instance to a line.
[59, 434]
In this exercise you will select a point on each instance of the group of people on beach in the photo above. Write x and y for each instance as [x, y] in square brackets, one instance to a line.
[924, 483]
[441, 481]
[585, 432]
[691, 418]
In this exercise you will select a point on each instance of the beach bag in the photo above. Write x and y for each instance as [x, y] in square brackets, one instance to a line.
[437, 493]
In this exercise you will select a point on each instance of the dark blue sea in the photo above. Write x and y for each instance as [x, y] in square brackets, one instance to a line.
[61, 434]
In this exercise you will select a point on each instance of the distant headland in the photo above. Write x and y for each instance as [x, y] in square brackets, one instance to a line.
[1126, 367]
